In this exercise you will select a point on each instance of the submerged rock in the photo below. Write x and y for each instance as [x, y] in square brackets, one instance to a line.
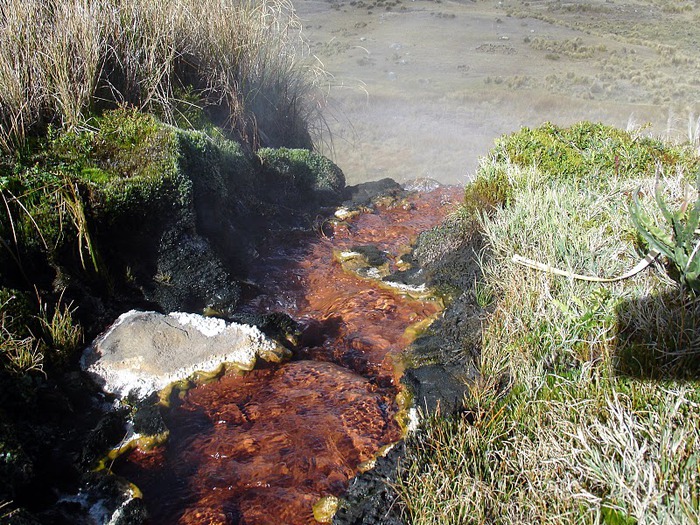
[144, 352]
[423, 184]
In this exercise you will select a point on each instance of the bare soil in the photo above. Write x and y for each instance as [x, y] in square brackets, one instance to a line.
[422, 88]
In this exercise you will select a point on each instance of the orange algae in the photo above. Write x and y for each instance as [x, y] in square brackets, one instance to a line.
[264, 447]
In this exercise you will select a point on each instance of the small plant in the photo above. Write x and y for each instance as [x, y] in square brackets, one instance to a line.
[61, 332]
[20, 355]
[678, 245]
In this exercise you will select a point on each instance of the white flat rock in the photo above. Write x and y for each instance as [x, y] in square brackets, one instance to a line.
[145, 352]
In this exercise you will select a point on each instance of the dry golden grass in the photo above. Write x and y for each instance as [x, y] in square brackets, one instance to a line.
[243, 61]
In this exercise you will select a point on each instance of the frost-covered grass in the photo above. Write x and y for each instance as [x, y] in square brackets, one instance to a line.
[588, 405]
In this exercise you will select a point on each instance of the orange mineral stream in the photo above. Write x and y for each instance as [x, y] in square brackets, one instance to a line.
[263, 447]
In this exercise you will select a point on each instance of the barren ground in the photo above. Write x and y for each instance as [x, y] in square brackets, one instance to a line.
[421, 88]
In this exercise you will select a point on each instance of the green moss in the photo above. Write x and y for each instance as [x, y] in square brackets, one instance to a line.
[216, 166]
[487, 193]
[588, 151]
[120, 174]
[123, 143]
[95, 175]
[305, 170]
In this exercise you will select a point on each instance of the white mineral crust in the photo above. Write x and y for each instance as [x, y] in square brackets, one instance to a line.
[146, 351]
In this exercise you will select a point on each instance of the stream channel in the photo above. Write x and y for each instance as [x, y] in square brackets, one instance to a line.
[263, 447]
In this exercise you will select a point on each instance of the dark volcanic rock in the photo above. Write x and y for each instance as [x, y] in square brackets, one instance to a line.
[148, 420]
[108, 432]
[190, 277]
[363, 194]
[277, 325]
[370, 500]
[103, 498]
[439, 387]
[373, 255]
[449, 254]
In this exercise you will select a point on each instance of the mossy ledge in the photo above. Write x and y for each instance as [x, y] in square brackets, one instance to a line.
[125, 213]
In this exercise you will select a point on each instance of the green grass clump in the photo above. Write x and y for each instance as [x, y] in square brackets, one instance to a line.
[556, 454]
[588, 403]
[590, 151]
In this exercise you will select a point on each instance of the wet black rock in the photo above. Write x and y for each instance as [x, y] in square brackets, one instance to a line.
[191, 277]
[448, 257]
[370, 499]
[414, 276]
[278, 325]
[363, 194]
[438, 388]
[147, 418]
[454, 338]
[108, 432]
[373, 255]
[103, 498]
[449, 254]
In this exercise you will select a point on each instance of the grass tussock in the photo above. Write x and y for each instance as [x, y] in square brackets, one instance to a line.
[237, 63]
[28, 342]
[588, 403]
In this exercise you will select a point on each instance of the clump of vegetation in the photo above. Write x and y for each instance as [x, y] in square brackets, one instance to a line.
[304, 170]
[588, 152]
[241, 63]
[679, 245]
[587, 404]
[574, 48]
[28, 341]
[73, 185]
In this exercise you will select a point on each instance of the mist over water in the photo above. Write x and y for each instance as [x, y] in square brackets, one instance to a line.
[422, 88]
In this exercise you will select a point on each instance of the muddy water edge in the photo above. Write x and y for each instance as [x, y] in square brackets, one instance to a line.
[264, 447]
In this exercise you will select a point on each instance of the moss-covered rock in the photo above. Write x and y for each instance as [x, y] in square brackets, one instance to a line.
[148, 214]
[301, 175]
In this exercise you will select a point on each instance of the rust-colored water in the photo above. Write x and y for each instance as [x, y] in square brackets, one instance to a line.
[262, 448]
